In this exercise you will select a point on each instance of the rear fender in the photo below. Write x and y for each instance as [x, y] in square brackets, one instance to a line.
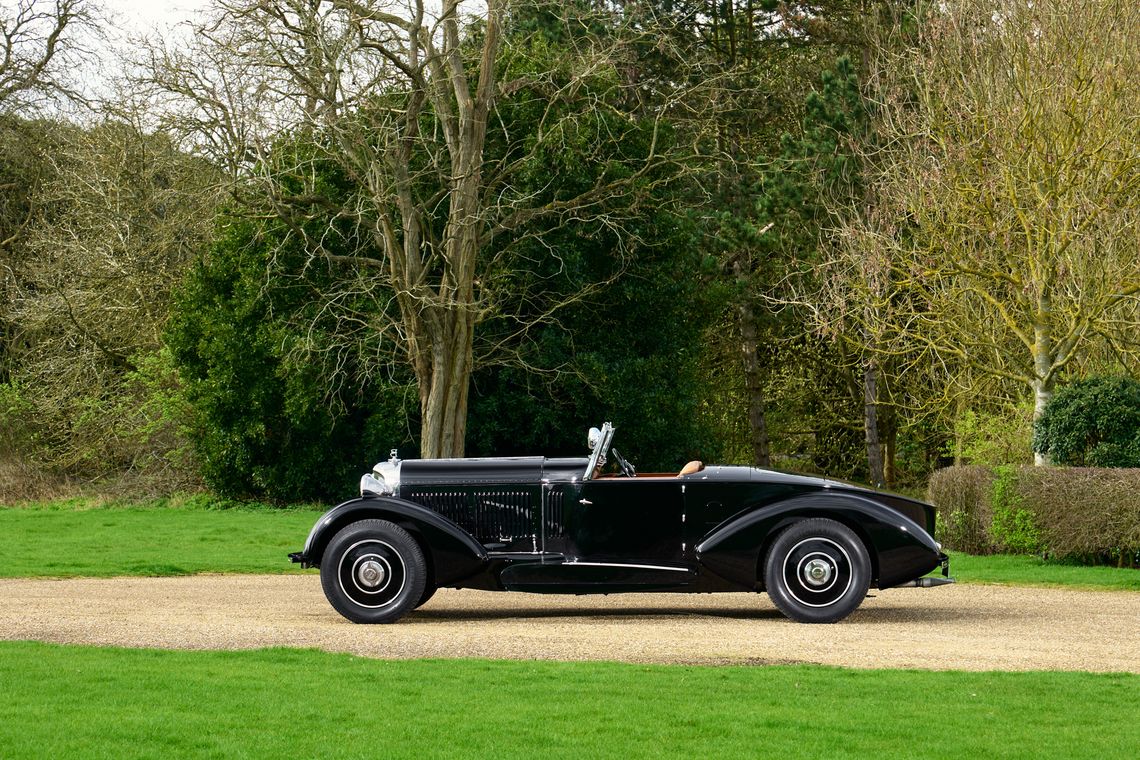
[452, 552]
[899, 548]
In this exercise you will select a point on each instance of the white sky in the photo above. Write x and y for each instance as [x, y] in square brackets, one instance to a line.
[146, 14]
[126, 20]
[120, 22]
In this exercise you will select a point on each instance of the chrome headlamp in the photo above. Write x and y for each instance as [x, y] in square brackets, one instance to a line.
[384, 480]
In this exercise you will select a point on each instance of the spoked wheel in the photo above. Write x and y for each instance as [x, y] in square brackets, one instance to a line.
[817, 571]
[373, 572]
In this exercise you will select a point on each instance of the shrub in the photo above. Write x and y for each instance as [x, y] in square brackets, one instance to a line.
[264, 422]
[1091, 515]
[1093, 422]
[1013, 528]
[1088, 515]
[16, 434]
[962, 495]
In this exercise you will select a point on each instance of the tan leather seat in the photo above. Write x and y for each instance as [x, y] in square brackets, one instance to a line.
[694, 466]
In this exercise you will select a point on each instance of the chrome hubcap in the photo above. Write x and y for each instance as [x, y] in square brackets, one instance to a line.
[817, 572]
[370, 573]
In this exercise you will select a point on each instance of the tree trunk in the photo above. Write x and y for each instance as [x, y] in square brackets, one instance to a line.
[871, 423]
[443, 392]
[1042, 393]
[445, 412]
[890, 437]
[959, 413]
[754, 385]
[1043, 358]
[440, 318]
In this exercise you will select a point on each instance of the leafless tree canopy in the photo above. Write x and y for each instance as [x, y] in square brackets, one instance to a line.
[1002, 238]
[1046, 136]
[118, 219]
[40, 50]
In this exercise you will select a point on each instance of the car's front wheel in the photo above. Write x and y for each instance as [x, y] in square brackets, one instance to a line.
[429, 592]
[817, 571]
[373, 571]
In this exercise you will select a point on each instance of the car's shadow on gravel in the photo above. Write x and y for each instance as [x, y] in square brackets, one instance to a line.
[585, 612]
[872, 614]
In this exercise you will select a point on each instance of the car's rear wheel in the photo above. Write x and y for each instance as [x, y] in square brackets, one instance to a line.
[373, 571]
[817, 571]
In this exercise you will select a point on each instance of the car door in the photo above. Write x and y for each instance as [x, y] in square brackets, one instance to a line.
[609, 535]
[629, 519]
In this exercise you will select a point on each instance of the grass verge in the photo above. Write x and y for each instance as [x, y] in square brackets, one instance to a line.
[94, 702]
[1021, 570]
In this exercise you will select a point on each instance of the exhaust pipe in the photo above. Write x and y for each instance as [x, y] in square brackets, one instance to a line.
[927, 582]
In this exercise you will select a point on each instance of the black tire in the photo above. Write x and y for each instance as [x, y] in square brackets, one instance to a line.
[429, 592]
[373, 572]
[817, 571]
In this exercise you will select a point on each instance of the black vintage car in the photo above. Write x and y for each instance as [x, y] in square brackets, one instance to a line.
[562, 526]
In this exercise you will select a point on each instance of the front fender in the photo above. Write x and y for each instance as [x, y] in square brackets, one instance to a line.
[900, 549]
[453, 553]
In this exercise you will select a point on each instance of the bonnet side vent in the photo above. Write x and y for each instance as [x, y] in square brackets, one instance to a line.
[453, 505]
[503, 515]
[555, 523]
[491, 516]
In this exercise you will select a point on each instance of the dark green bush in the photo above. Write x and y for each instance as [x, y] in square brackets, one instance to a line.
[264, 423]
[1093, 422]
[16, 434]
[1082, 514]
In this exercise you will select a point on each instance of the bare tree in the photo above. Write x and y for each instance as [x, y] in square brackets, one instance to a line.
[401, 97]
[40, 51]
[119, 218]
[1007, 192]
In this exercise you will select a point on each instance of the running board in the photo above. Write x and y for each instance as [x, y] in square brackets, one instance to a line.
[576, 577]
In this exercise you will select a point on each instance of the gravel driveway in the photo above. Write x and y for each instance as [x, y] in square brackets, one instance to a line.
[967, 627]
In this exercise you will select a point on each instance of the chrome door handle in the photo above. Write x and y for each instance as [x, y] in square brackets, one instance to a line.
[587, 502]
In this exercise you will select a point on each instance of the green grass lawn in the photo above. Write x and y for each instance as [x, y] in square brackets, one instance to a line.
[94, 702]
[78, 539]
[82, 538]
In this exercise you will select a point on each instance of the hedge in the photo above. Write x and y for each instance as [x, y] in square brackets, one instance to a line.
[1087, 514]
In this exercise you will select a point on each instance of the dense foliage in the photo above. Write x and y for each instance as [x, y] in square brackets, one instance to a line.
[742, 231]
[1094, 422]
[607, 322]
[628, 354]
